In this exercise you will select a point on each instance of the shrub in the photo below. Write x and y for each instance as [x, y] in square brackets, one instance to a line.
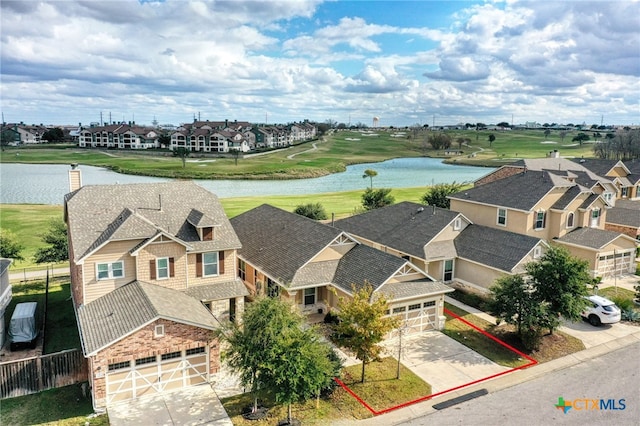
[531, 338]
[631, 315]
[623, 303]
[472, 299]
[313, 211]
[331, 318]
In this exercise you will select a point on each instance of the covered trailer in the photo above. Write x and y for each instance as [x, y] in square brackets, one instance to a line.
[24, 326]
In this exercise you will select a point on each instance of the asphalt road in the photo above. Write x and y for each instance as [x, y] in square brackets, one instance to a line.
[615, 375]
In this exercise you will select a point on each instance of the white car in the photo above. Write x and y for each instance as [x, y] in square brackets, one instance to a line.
[601, 311]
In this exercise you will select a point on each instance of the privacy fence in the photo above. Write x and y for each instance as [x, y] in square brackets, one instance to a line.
[35, 374]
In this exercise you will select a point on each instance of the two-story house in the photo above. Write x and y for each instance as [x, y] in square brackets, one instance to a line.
[550, 205]
[313, 264]
[152, 274]
[445, 243]
[625, 175]
[5, 294]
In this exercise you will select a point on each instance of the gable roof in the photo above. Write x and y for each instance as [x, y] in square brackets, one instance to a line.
[593, 238]
[97, 214]
[126, 309]
[622, 216]
[405, 226]
[279, 242]
[496, 248]
[520, 192]
[600, 166]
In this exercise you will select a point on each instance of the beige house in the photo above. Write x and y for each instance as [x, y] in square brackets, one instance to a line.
[5, 294]
[312, 264]
[152, 273]
[551, 205]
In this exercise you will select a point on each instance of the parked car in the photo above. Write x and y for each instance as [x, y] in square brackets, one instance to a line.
[601, 311]
[24, 326]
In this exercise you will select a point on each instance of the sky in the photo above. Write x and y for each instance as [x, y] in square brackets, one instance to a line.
[405, 62]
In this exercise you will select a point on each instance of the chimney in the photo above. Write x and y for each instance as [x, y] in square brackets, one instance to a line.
[75, 178]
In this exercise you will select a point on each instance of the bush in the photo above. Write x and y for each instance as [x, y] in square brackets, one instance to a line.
[472, 299]
[331, 318]
[623, 303]
[531, 339]
[313, 211]
[631, 315]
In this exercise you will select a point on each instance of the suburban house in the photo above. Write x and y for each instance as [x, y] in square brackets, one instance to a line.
[624, 174]
[625, 218]
[5, 294]
[444, 243]
[313, 264]
[552, 205]
[153, 271]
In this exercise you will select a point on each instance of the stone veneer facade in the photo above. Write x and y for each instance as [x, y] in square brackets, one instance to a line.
[142, 343]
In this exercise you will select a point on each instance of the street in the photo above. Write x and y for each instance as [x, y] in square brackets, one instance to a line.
[612, 376]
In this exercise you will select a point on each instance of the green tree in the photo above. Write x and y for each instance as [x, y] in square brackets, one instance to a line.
[562, 134]
[363, 324]
[182, 153]
[53, 135]
[376, 198]
[439, 141]
[515, 302]
[460, 142]
[236, 154]
[559, 281]
[57, 249]
[164, 140]
[369, 173]
[10, 248]
[580, 138]
[437, 194]
[492, 138]
[313, 211]
[547, 132]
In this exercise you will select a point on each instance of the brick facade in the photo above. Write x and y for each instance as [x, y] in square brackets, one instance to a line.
[501, 173]
[143, 343]
[626, 230]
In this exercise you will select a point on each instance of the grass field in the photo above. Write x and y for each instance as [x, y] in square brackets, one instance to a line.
[332, 155]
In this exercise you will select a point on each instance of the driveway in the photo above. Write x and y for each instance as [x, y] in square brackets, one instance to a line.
[593, 336]
[196, 405]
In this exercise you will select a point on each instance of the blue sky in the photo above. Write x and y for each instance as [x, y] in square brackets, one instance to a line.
[407, 62]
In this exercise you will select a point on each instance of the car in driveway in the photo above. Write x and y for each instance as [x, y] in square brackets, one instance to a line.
[601, 311]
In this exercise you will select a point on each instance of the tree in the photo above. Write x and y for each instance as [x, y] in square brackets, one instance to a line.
[313, 211]
[547, 132]
[58, 246]
[376, 198]
[439, 141]
[460, 141]
[236, 153]
[370, 173]
[513, 301]
[559, 281]
[580, 138]
[182, 153]
[562, 134]
[164, 140]
[10, 248]
[53, 135]
[491, 139]
[363, 324]
[623, 145]
[437, 194]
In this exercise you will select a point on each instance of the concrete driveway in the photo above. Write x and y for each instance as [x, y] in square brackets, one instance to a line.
[594, 336]
[196, 405]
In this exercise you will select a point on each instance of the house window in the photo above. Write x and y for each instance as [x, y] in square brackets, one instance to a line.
[502, 217]
[448, 270]
[210, 264]
[195, 351]
[429, 303]
[171, 355]
[399, 309]
[608, 196]
[414, 307]
[457, 224]
[119, 365]
[158, 331]
[242, 270]
[309, 296]
[110, 270]
[147, 360]
[595, 217]
[273, 289]
[624, 192]
[537, 252]
[540, 217]
[162, 268]
[570, 219]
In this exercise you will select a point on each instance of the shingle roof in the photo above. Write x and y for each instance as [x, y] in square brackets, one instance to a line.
[521, 191]
[218, 291]
[99, 213]
[411, 289]
[494, 247]
[622, 216]
[589, 237]
[124, 310]
[404, 226]
[628, 204]
[279, 242]
[597, 166]
[566, 198]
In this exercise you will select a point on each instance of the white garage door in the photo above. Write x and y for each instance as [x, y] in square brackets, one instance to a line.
[615, 264]
[150, 375]
[417, 316]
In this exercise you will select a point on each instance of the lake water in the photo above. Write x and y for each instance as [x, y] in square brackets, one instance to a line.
[47, 183]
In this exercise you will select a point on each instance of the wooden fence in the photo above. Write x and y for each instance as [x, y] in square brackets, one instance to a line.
[35, 374]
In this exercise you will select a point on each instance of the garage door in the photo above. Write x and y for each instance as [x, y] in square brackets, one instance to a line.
[615, 264]
[418, 316]
[150, 375]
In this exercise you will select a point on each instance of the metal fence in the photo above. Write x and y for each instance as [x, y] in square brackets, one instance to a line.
[33, 273]
[35, 374]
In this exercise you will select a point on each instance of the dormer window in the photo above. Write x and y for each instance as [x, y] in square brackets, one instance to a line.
[540, 220]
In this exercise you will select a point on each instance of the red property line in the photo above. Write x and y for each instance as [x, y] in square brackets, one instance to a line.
[424, 398]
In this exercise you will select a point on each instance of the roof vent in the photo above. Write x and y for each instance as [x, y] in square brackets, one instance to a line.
[420, 210]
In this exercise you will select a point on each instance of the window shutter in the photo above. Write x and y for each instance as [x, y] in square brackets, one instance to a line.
[198, 264]
[221, 262]
[172, 268]
[152, 269]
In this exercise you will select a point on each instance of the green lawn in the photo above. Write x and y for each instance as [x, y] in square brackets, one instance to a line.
[381, 390]
[62, 329]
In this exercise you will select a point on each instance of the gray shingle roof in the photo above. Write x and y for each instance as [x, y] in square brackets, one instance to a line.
[628, 204]
[494, 247]
[279, 242]
[404, 226]
[411, 289]
[589, 237]
[124, 310]
[566, 198]
[99, 213]
[521, 191]
[218, 291]
[597, 166]
[621, 216]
